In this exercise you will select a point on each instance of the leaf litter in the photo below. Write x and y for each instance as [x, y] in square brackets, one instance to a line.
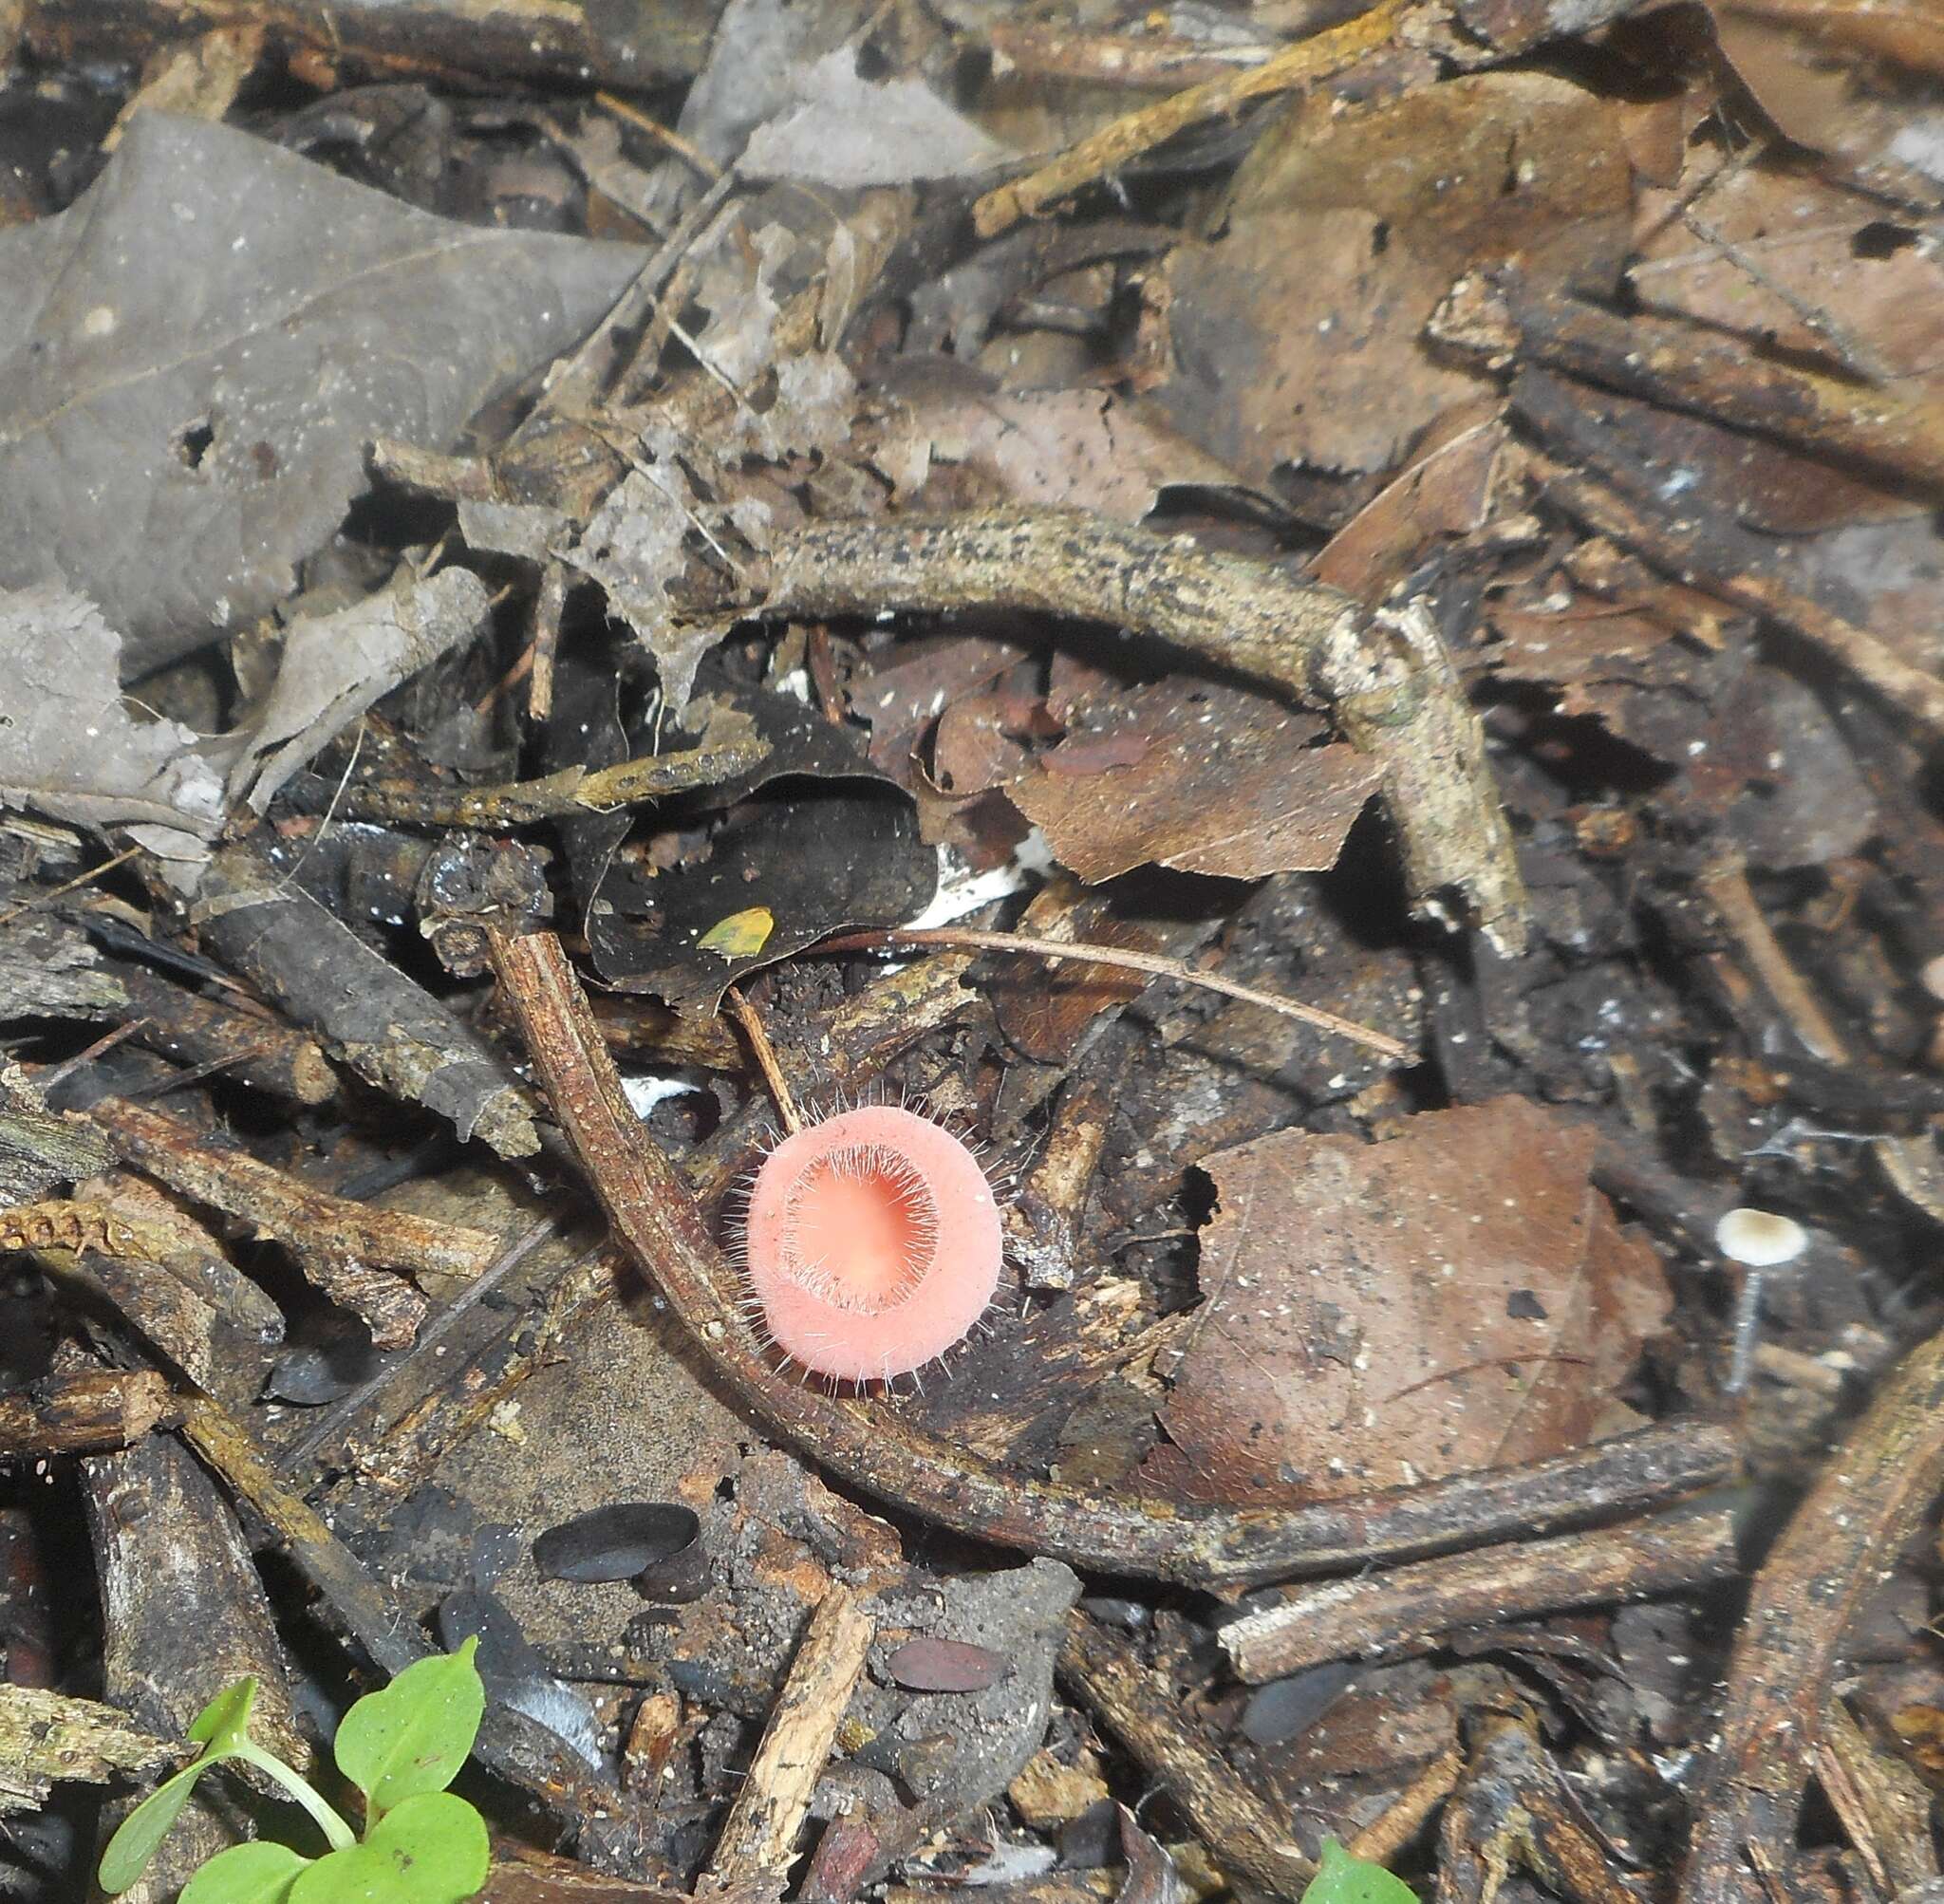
[846, 535]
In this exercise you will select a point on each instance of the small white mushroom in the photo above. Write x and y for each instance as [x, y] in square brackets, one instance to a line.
[1760, 1239]
[1757, 1240]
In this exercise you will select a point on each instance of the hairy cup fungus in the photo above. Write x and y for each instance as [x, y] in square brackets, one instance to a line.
[872, 1243]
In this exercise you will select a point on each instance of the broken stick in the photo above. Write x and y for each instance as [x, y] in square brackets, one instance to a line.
[759, 1836]
[1383, 674]
[656, 1217]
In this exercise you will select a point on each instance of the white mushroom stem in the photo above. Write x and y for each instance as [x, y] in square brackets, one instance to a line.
[1757, 1240]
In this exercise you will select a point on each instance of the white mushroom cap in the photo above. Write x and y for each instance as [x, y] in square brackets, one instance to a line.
[1760, 1239]
[1932, 977]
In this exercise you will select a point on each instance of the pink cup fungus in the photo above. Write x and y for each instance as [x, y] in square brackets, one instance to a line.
[873, 1243]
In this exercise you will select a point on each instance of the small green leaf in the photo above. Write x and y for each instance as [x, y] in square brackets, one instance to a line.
[429, 1849]
[412, 1736]
[225, 1721]
[138, 1834]
[1343, 1879]
[219, 1728]
[258, 1872]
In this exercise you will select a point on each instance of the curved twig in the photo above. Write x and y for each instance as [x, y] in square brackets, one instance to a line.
[655, 1217]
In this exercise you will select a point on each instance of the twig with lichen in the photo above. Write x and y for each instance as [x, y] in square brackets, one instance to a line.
[1383, 674]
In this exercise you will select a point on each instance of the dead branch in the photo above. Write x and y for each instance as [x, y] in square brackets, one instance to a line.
[1682, 367]
[83, 1410]
[1514, 1808]
[1141, 1710]
[1683, 551]
[654, 1214]
[210, 1031]
[45, 1736]
[1308, 63]
[388, 1030]
[425, 38]
[568, 794]
[758, 1838]
[1403, 1611]
[1866, 1506]
[1384, 675]
[1885, 1808]
[333, 1239]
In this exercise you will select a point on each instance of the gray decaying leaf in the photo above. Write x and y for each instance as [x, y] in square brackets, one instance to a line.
[335, 666]
[71, 749]
[687, 499]
[756, 48]
[844, 130]
[193, 355]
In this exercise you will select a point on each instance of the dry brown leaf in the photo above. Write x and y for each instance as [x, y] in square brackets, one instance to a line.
[1457, 1297]
[1080, 449]
[1908, 31]
[1298, 335]
[1795, 263]
[1447, 492]
[1821, 96]
[900, 700]
[1198, 778]
[1586, 640]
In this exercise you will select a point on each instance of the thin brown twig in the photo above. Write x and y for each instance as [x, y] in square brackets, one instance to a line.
[1306, 62]
[87, 878]
[965, 940]
[758, 1838]
[1401, 1821]
[1141, 1708]
[1866, 1507]
[655, 1215]
[747, 1016]
[690, 155]
[1678, 549]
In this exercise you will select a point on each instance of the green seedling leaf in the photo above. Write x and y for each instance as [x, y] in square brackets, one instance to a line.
[259, 1873]
[428, 1849]
[224, 1723]
[221, 1728]
[1343, 1879]
[138, 1834]
[411, 1737]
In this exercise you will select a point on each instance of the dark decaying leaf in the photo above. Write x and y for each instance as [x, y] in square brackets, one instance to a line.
[1286, 1706]
[1458, 1296]
[505, 1653]
[614, 1542]
[814, 834]
[193, 356]
[1197, 779]
[944, 1666]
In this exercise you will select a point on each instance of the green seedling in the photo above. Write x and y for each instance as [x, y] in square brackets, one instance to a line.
[1343, 1879]
[401, 1746]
